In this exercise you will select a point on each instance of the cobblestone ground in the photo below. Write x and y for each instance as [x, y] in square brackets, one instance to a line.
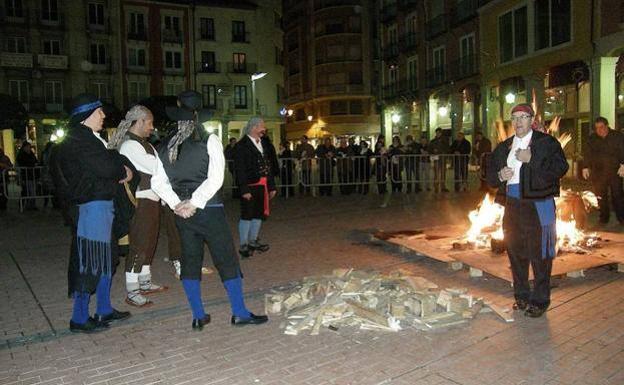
[579, 341]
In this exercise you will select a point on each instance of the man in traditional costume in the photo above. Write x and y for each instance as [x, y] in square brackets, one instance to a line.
[526, 169]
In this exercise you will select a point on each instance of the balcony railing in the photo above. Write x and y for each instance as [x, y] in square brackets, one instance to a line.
[328, 60]
[244, 68]
[388, 13]
[173, 70]
[50, 19]
[391, 51]
[346, 88]
[240, 37]
[138, 69]
[466, 10]
[409, 41]
[58, 62]
[106, 67]
[170, 36]
[137, 35]
[436, 76]
[337, 29]
[16, 60]
[14, 16]
[208, 67]
[464, 67]
[99, 28]
[436, 26]
[320, 4]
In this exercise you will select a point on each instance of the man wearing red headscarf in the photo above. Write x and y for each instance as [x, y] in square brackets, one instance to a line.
[526, 169]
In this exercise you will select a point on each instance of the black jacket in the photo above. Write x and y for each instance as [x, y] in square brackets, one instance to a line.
[83, 170]
[604, 155]
[539, 178]
[250, 165]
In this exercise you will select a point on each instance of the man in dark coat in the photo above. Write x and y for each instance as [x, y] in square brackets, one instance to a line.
[253, 164]
[461, 156]
[439, 150]
[326, 152]
[86, 176]
[526, 169]
[480, 151]
[604, 165]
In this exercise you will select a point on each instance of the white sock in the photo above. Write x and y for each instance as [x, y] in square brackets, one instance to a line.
[145, 270]
[132, 282]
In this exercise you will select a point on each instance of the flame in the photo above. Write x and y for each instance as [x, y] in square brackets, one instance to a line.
[486, 222]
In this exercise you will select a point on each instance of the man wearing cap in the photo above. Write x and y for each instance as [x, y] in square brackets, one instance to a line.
[254, 172]
[86, 176]
[526, 169]
[195, 167]
[131, 140]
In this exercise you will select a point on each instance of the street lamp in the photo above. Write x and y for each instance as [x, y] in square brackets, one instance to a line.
[254, 77]
[510, 98]
[395, 118]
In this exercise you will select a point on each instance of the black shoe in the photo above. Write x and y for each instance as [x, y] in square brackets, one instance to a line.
[520, 304]
[534, 311]
[116, 315]
[251, 320]
[257, 246]
[244, 251]
[198, 324]
[91, 326]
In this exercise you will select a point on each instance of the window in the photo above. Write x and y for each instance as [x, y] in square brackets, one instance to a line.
[100, 89]
[136, 57]
[172, 24]
[240, 96]
[53, 91]
[19, 90]
[338, 107]
[16, 44]
[355, 107]
[240, 62]
[96, 14]
[206, 28]
[98, 53]
[208, 63]
[49, 10]
[439, 64]
[173, 59]
[209, 95]
[467, 55]
[513, 34]
[279, 56]
[14, 8]
[172, 89]
[552, 23]
[238, 32]
[136, 91]
[137, 24]
[52, 47]
[412, 73]
[393, 37]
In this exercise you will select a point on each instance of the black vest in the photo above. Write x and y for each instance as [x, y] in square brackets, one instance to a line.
[190, 170]
[146, 179]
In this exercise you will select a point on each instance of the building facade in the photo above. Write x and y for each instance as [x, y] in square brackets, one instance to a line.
[329, 73]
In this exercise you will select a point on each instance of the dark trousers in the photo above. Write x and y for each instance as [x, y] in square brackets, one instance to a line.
[382, 179]
[412, 175]
[605, 186]
[174, 246]
[3, 198]
[304, 186]
[143, 235]
[461, 173]
[326, 176]
[286, 179]
[540, 295]
[208, 225]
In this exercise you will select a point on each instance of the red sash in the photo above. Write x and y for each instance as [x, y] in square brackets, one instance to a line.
[263, 182]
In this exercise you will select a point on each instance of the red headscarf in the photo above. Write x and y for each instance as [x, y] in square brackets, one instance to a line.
[524, 107]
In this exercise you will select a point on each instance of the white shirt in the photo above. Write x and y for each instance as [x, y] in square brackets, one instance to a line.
[144, 162]
[512, 162]
[97, 135]
[258, 144]
[208, 188]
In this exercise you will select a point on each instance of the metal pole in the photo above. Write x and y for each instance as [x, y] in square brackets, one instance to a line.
[253, 95]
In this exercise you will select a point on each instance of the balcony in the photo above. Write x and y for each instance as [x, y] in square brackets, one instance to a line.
[141, 70]
[14, 16]
[240, 37]
[242, 68]
[391, 51]
[16, 60]
[171, 36]
[335, 29]
[137, 35]
[388, 13]
[330, 60]
[173, 71]
[464, 67]
[346, 88]
[99, 28]
[436, 26]
[103, 68]
[322, 4]
[57, 62]
[466, 10]
[436, 76]
[409, 41]
[208, 67]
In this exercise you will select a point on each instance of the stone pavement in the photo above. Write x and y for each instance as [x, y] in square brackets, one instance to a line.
[580, 340]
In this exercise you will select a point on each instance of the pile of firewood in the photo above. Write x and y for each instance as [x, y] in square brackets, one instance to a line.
[373, 301]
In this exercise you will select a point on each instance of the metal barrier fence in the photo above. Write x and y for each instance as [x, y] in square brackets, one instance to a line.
[26, 185]
[361, 174]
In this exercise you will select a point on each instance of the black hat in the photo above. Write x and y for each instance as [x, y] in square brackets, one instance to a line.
[189, 101]
[82, 106]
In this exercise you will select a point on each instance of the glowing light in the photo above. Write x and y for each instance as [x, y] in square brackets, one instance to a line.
[510, 98]
[290, 112]
[443, 111]
[60, 133]
[310, 117]
[395, 118]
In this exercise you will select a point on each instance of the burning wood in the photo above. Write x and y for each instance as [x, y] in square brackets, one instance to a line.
[486, 230]
[372, 301]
